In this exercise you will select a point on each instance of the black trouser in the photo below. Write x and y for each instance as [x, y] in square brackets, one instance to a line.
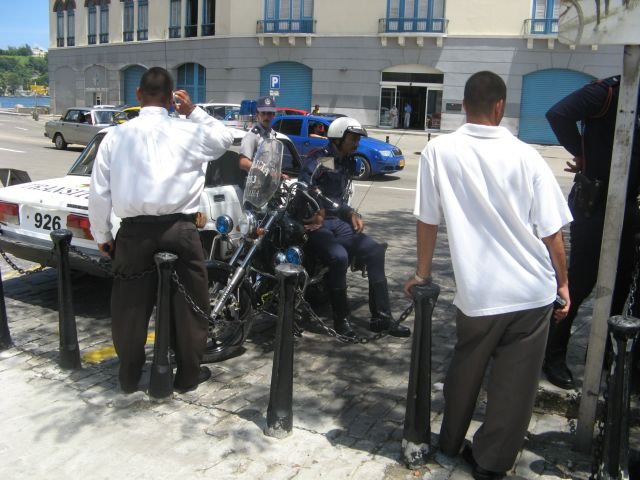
[336, 242]
[132, 301]
[586, 240]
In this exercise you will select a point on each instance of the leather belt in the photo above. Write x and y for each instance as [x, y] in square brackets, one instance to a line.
[172, 217]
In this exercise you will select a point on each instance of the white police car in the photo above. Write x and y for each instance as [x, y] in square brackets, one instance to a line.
[30, 211]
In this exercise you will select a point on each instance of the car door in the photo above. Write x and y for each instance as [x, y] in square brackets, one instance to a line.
[85, 130]
[316, 135]
[295, 129]
[69, 126]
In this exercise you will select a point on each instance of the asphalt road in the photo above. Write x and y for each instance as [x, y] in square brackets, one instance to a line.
[23, 146]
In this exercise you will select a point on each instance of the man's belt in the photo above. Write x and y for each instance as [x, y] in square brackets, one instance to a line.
[172, 217]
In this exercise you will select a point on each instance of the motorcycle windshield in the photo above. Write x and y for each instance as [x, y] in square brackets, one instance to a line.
[264, 176]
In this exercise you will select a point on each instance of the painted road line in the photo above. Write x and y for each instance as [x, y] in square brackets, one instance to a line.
[367, 185]
[11, 150]
[400, 188]
[108, 352]
[23, 129]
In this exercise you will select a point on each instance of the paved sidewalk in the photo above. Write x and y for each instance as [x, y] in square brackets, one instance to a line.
[348, 400]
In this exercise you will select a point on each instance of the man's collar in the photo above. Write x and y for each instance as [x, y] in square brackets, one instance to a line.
[153, 111]
[483, 131]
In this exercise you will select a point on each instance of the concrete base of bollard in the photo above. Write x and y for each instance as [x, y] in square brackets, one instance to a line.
[278, 431]
[414, 455]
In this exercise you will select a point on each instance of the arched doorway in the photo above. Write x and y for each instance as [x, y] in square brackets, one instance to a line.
[192, 77]
[294, 84]
[96, 85]
[418, 86]
[130, 78]
[540, 91]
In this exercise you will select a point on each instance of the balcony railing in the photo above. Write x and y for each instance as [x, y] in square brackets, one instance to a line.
[413, 25]
[190, 31]
[91, 39]
[60, 42]
[143, 35]
[208, 29]
[127, 36]
[286, 26]
[104, 38]
[71, 41]
[541, 26]
[174, 32]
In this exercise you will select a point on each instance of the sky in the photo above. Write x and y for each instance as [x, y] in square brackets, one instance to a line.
[24, 21]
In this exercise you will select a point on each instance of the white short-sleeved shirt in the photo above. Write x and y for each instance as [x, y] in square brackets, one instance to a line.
[499, 198]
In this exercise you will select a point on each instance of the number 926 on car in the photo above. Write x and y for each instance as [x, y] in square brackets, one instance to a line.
[44, 219]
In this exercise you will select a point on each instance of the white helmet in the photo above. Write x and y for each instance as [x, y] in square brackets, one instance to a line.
[343, 125]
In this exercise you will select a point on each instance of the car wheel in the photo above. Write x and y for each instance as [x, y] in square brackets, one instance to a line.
[59, 142]
[365, 169]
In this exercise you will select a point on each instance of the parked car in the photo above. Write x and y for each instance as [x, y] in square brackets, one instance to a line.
[375, 157]
[30, 211]
[79, 125]
[227, 113]
[290, 111]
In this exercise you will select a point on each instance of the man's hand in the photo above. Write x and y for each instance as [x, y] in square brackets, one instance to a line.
[106, 248]
[357, 222]
[575, 165]
[561, 313]
[411, 281]
[183, 103]
[314, 223]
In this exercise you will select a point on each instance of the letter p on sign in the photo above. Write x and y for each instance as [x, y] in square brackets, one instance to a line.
[274, 81]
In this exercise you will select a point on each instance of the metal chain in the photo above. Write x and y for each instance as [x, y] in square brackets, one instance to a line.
[355, 339]
[633, 288]
[106, 267]
[20, 270]
[192, 304]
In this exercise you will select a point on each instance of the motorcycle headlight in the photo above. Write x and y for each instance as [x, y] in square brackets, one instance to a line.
[248, 225]
[279, 258]
[294, 255]
[224, 224]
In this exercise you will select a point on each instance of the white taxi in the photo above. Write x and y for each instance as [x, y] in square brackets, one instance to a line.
[30, 211]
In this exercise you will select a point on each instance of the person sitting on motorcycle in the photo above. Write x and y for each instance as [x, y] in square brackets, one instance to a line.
[335, 233]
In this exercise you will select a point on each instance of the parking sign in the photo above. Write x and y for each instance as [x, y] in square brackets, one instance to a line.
[274, 81]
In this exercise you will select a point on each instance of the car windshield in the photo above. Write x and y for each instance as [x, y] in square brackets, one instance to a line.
[104, 116]
[84, 163]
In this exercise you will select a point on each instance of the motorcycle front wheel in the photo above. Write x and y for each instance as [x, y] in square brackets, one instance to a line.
[228, 333]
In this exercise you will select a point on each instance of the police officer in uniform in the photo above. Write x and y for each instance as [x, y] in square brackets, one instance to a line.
[335, 234]
[266, 107]
[595, 107]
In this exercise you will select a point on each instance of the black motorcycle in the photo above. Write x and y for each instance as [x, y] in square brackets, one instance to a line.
[271, 234]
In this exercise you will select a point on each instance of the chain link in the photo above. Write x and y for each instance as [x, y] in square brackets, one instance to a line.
[355, 339]
[20, 270]
[107, 266]
[633, 288]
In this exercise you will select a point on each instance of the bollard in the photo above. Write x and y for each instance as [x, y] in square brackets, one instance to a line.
[429, 137]
[279, 412]
[69, 349]
[386, 140]
[417, 430]
[5, 334]
[615, 460]
[161, 379]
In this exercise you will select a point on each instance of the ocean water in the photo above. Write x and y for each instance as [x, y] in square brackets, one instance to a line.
[10, 102]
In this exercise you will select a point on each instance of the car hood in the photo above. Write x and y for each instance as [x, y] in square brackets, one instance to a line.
[368, 142]
[71, 191]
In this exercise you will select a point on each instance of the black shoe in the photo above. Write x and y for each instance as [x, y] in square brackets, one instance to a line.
[557, 373]
[478, 472]
[203, 375]
[342, 326]
[388, 325]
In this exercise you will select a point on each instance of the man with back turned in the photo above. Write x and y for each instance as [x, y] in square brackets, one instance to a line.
[149, 172]
[504, 212]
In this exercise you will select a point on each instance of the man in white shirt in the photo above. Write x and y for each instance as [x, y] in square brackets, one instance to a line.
[504, 212]
[149, 172]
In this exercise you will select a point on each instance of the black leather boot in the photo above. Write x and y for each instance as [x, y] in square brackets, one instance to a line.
[340, 307]
[381, 318]
[557, 372]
